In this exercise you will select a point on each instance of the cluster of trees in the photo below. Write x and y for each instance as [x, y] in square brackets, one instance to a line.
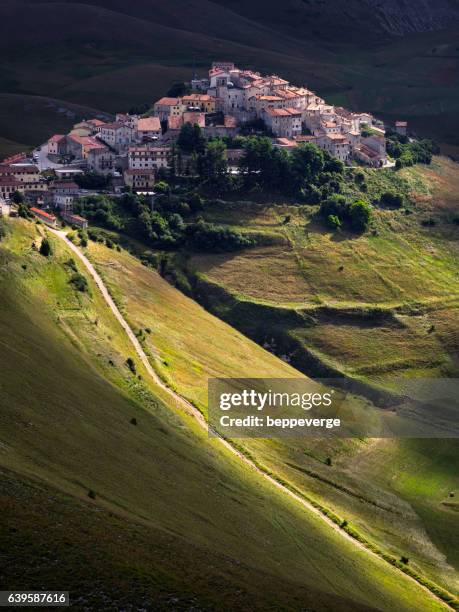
[100, 209]
[92, 180]
[210, 237]
[338, 211]
[306, 172]
[163, 226]
[408, 153]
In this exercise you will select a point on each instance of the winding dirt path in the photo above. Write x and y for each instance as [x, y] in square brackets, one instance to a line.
[184, 404]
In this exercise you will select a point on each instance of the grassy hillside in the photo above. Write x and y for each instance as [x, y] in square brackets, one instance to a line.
[112, 56]
[68, 401]
[187, 346]
[379, 305]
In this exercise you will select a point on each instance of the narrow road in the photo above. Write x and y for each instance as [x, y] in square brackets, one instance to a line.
[183, 403]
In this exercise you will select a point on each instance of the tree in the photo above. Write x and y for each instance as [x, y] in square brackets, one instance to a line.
[212, 164]
[178, 90]
[360, 215]
[46, 248]
[191, 139]
[18, 197]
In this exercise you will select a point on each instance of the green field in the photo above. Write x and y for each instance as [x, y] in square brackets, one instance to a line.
[187, 346]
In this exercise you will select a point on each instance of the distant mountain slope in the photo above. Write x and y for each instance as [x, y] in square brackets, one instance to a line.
[111, 55]
[402, 16]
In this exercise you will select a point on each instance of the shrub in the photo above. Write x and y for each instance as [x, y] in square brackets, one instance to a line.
[91, 494]
[392, 200]
[404, 560]
[46, 248]
[133, 421]
[131, 365]
[79, 282]
[360, 215]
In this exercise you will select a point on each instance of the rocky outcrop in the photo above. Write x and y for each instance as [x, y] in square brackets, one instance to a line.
[400, 17]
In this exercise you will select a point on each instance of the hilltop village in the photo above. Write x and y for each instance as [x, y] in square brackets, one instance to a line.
[134, 149]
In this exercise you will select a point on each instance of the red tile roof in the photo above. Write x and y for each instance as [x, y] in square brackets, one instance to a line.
[167, 101]
[116, 125]
[56, 138]
[149, 124]
[42, 213]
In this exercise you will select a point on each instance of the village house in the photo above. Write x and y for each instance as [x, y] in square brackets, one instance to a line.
[47, 218]
[202, 102]
[8, 185]
[57, 145]
[283, 121]
[336, 145]
[75, 220]
[63, 201]
[168, 107]
[139, 180]
[149, 128]
[67, 173]
[88, 127]
[149, 158]
[116, 135]
[401, 127]
[100, 159]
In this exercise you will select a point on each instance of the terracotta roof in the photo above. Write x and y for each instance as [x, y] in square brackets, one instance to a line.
[269, 98]
[367, 151]
[287, 142]
[174, 123]
[197, 98]
[96, 122]
[283, 112]
[149, 124]
[42, 213]
[56, 138]
[168, 101]
[87, 141]
[77, 218]
[27, 169]
[116, 125]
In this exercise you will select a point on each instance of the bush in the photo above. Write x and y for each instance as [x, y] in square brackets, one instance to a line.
[404, 560]
[211, 237]
[360, 215]
[391, 200]
[46, 248]
[131, 365]
[79, 282]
